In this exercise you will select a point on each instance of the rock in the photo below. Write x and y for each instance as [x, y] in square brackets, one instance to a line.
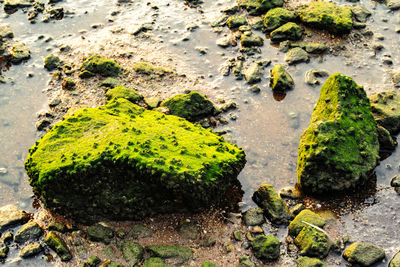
[58, 227]
[360, 13]
[110, 82]
[312, 75]
[385, 107]
[386, 141]
[159, 153]
[304, 261]
[393, 4]
[297, 209]
[395, 182]
[340, 148]
[237, 235]
[223, 42]
[236, 21]
[100, 233]
[19, 52]
[29, 231]
[140, 231]
[289, 31]
[363, 253]
[31, 250]
[132, 252]
[328, 16]
[290, 192]
[3, 250]
[192, 106]
[253, 216]
[6, 32]
[245, 262]
[247, 40]
[208, 264]
[313, 242]
[152, 102]
[54, 102]
[183, 254]
[253, 74]
[93, 261]
[154, 262]
[51, 62]
[7, 238]
[58, 245]
[308, 216]
[274, 207]
[11, 215]
[255, 89]
[277, 17]
[68, 84]
[396, 79]
[121, 92]
[10, 5]
[280, 79]
[55, 13]
[96, 64]
[395, 261]
[42, 124]
[297, 55]
[310, 47]
[258, 7]
[266, 247]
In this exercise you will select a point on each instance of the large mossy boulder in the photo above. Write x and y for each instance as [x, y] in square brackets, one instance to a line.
[266, 247]
[258, 7]
[385, 107]
[313, 242]
[192, 106]
[363, 254]
[96, 64]
[339, 149]
[277, 17]
[301, 220]
[327, 16]
[121, 161]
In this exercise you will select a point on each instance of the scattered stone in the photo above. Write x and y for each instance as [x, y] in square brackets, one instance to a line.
[305, 261]
[250, 40]
[6, 32]
[245, 262]
[395, 181]
[31, 250]
[96, 64]
[245, 28]
[255, 89]
[19, 52]
[297, 55]
[308, 216]
[10, 5]
[393, 4]
[386, 141]
[313, 75]
[7, 238]
[3, 250]
[313, 242]
[152, 102]
[189, 231]
[11, 215]
[223, 42]
[58, 245]
[289, 31]
[55, 13]
[363, 253]
[110, 82]
[387, 60]
[297, 209]
[42, 124]
[396, 79]
[154, 262]
[132, 252]
[385, 107]
[256, 230]
[236, 21]
[280, 79]
[274, 207]
[338, 154]
[68, 84]
[121, 92]
[258, 7]
[237, 235]
[266, 247]
[326, 15]
[183, 254]
[253, 216]
[253, 73]
[54, 102]
[360, 13]
[202, 50]
[290, 192]
[29, 231]
[395, 261]
[277, 17]
[100, 233]
[93, 261]
[52, 62]
[58, 227]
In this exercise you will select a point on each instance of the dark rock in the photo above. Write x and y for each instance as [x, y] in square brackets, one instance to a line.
[386, 142]
[363, 253]
[297, 55]
[250, 40]
[51, 62]
[58, 245]
[29, 231]
[280, 79]
[183, 254]
[58, 227]
[189, 231]
[11, 215]
[360, 13]
[266, 247]
[31, 250]
[253, 216]
[100, 233]
[236, 21]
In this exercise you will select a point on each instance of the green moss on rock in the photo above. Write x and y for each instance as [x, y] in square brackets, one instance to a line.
[305, 261]
[385, 107]
[386, 142]
[121, 161]
[340, 148]
[132, 252]
[258, 7]
[58, 245]
[395, 261]
[280, 79]
[192, 106]
[277, 17]
[328, 16]
[308, 216]
[100, 233]
[266, 247]
[312, 242]
[19, 52]
[96, 64]
[149, 69]
[51, 62]
[236, 21]
[123, 92]
[250, 40]
[363, 253]
[183, 254]
[289, 31]
[154, 262]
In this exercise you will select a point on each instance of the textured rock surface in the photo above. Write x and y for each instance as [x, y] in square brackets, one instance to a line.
[385, 107]
[57, 244]
[183, 254]
[363, 253]
[29, 231]
[289, 31]
[266, 247]
[305, 261]
[257, 7]
[277, 17]
[308, 216]
[253, 216]
[312, 242]
[96, 64]
[280, 79]
[11, 215]
[395, 261]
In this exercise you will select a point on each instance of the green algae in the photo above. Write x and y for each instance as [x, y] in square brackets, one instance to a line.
[236, 21]
[123, 92]
[166, 252]
[328, 16]
[57, 244]
[305, 261]
[149, 69]
[363, 253]
[340, 148]
[288, 31]
[96, 64]
[121, 161]
[277, 17]
[313, 242]
[308, 216]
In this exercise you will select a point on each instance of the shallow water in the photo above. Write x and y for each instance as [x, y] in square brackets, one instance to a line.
[267, 129]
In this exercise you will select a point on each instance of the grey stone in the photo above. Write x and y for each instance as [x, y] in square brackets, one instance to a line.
[29, 231]
[31, 250]
[253, 216]
[297, 55]
[11, 215]
[253, 73]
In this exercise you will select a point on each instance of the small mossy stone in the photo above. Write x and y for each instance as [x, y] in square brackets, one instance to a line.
[3, 250]
[183, 254]
[277, 17]
[258, 7]
[19, 52]
[140, 231]
[396, 79]
[11, 5]
[149, 69]
[266, 247]
[132, 252]
[312, 242]
[93, 261]
[58, 245]
[51, 62]
[308, 216]
[289, 31]
[363, 253]
[68, 84]
[84, 74]
[328, 16]
[305, 261]
[103, 66]
[123, 92]
[395, 261]
[274, 207]
[57, 226]
[339, 149]
[154, 262]
[152, 102]
[250, 40]
[31, 250]
[192, 106]
[253, 73]
[10, 215]
[386, 142]
[237, 235]
[385, 107]
[360, 13]
[6, 32]
[110, 82]
[296, 55]
[253, 216]
[100, 233]
[29, 231]
[236, 21]
[245, 262]
[280, 79]
[208, 264]
[313, 75]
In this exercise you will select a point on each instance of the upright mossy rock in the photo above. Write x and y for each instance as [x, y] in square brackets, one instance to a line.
[307, 216]
[385, 107]
[363, 253]
[327, 16]
[277, 17]
[289, 31]
[280, 79]
[272, 204]
[339, 149]
[258, 7]
[121, 161]
[266, 247]
[192, 106]
[96, 64]
[313, 242]
[124, 92]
